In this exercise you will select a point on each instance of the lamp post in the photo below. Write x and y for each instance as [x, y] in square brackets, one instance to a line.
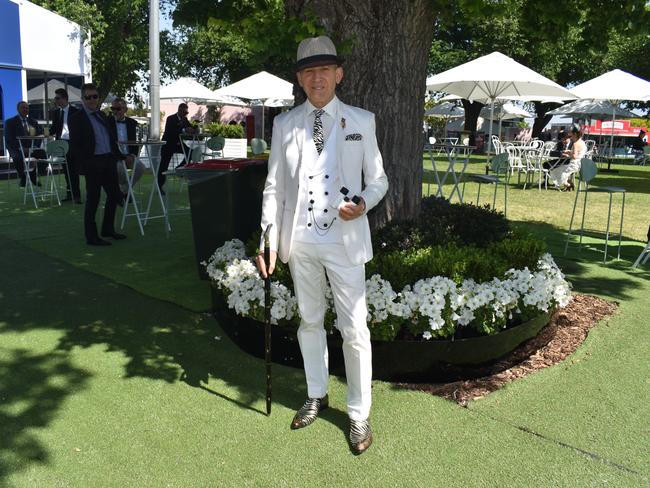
[154, 69]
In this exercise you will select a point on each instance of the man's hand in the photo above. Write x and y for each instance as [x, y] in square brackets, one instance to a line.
[273, 255]
[350, 210]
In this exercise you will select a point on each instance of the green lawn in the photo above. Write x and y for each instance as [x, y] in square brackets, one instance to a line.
[113, 375]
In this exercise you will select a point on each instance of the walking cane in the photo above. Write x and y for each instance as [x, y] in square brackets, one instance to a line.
[267, 317]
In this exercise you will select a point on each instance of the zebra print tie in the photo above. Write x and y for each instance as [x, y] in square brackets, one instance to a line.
[318, 129]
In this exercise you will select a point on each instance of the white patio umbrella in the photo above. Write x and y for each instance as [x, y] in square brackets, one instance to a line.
[262, 86]
[507, 111]
[614, 86]
[445, 110]
[492, 76]
[593, 109]
[190, 90]
[503, 109]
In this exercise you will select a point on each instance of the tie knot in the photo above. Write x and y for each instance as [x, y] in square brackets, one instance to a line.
[319, 112]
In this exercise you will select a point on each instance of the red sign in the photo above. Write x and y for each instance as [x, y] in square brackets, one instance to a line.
[621, 128]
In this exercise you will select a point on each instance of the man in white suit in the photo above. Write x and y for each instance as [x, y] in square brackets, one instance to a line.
[325, 173]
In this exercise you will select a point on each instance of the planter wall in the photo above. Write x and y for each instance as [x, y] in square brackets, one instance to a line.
[402, 361]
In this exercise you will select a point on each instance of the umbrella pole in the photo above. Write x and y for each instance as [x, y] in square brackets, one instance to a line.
[489, 146]
[611, 142]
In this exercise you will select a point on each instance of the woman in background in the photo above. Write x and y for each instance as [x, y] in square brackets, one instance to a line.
[561, 175]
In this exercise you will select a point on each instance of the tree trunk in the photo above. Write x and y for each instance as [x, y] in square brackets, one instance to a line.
[542, 119]
[472, 111]
[384, 72]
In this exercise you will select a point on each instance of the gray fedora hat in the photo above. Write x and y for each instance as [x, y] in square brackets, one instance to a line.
[316, 51]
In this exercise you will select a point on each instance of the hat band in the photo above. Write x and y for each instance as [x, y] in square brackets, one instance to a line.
[317, 60]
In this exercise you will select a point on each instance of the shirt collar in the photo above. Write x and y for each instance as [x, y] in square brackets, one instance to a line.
[330, 109]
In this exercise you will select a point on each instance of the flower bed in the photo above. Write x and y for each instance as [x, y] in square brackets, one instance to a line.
[434, 307]
[491, 289]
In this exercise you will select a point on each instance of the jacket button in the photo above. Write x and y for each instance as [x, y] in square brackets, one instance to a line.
[308, 225]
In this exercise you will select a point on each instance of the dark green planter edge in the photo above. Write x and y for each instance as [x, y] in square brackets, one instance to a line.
[400, 361]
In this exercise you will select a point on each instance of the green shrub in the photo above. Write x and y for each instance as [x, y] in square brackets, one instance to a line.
[440, 223]
[225, 130]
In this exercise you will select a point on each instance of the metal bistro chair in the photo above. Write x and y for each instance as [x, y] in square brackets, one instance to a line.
[56, 154]
[646, 156]
[258, 146]
[498, 166]
[215, 145]
[588, 171]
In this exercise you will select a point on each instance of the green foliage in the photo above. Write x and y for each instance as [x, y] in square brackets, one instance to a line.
[440, 222]
[245, 36]
[639, 122]
[455, 261]
[119, 39]
[231, 131]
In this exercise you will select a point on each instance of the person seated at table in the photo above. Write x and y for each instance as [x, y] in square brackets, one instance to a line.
[125, 129]
[563, 144]
[174, 125]
[637, 147]
[18, 126]
[560, 175]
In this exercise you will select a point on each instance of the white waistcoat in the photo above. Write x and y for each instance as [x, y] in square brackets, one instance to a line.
[318, 220]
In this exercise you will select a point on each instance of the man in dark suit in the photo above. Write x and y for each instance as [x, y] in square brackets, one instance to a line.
[94, 149]
[59, 117]
[16, 127]
[125, 129]
[174, 126]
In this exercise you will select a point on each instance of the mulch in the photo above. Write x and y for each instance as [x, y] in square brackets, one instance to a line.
[567, 329]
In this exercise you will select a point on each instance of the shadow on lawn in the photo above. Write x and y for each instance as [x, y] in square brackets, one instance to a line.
[574, 264]
[33, 388]
[158, 340]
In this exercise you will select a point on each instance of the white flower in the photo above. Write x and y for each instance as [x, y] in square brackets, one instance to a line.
[438, 299]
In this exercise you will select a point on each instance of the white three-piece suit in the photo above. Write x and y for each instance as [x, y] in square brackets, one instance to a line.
[300, 199]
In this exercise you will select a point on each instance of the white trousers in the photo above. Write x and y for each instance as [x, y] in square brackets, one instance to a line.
[309, 265]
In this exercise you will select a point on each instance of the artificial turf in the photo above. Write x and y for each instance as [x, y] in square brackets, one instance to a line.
[113, 375]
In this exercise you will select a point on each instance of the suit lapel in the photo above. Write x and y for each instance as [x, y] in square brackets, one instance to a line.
[299, 135]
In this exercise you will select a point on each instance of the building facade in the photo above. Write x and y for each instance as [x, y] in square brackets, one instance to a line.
[40, 51]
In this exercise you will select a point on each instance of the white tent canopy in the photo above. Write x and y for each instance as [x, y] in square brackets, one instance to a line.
[263, 87]
[37, 94]
[190, 90]
[260, 86]
[492, 76]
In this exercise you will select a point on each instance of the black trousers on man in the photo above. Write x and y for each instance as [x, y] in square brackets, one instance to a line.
[19, 166]
[101, 172]
[168, 150]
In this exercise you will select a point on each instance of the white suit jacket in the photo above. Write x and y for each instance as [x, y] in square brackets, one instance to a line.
[357, 157]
